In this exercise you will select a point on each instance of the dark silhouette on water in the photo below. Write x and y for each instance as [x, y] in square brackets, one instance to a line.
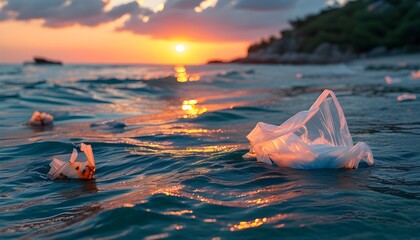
[43, 61]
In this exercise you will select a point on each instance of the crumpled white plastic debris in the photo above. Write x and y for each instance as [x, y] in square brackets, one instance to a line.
[41, 119]
[316, 138]
[388, 80]
[72, 169]
[415, 74]
[406, 97]
[299, 75]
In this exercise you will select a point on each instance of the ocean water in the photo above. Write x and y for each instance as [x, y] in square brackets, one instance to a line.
[168, 142]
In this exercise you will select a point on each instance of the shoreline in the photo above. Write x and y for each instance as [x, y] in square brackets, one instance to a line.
[404, 58]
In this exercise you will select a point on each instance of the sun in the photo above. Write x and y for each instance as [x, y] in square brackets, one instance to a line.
[180, 48]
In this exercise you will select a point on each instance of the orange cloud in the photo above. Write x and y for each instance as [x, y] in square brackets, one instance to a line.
[84, 30]
[195, 20]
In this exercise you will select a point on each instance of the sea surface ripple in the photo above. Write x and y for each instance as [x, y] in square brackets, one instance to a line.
[168, 143]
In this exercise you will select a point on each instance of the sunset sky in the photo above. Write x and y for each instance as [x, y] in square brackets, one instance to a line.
[142, 31]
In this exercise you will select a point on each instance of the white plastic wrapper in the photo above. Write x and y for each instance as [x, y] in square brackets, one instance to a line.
[41, 119]
[316, 138]
[415, 74]
[72, 169]
[406, 97]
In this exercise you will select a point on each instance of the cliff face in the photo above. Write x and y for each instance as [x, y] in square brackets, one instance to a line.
[324, 53]
[362, 28]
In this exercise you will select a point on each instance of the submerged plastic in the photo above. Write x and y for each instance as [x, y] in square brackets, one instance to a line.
[72, 169]
[316, 138]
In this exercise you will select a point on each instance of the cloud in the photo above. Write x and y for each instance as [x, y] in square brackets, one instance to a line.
[183, 4]
[264, 5]
[62, 13]
[240, 20]
[195, 20]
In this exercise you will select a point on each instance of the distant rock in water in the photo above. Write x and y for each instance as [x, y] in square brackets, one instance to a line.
[43, 61]
[215, 61]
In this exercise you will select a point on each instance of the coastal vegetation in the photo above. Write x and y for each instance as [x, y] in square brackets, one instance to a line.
[359, 28]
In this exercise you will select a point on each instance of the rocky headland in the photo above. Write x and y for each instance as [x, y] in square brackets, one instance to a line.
[359, 29]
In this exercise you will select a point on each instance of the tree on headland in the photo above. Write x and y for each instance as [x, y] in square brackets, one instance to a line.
[359, 27]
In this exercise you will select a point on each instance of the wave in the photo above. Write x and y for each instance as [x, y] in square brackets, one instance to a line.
[109, 81]
[169, 156]
[10, 71]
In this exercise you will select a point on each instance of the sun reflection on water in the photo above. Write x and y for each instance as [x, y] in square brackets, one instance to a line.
[178, 213]
[181, 75]
[258, 222]
[191, 109]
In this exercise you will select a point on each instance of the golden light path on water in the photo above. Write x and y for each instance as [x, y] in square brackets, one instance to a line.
[181, 74]
[192, 109]
[187, 104]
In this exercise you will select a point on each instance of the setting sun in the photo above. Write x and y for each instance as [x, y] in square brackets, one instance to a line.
[180, 48]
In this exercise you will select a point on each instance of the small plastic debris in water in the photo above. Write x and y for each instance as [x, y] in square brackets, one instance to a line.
[299, 75]
[388, 80]
[41, 119]
[415, 74]
[406, 97]
[72, 169]
[316, 138]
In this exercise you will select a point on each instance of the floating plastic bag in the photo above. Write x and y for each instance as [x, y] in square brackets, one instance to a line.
[317, 138]
[73, 169]
[41, 119]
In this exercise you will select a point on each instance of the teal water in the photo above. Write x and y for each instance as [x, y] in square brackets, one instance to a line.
[168, 153]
